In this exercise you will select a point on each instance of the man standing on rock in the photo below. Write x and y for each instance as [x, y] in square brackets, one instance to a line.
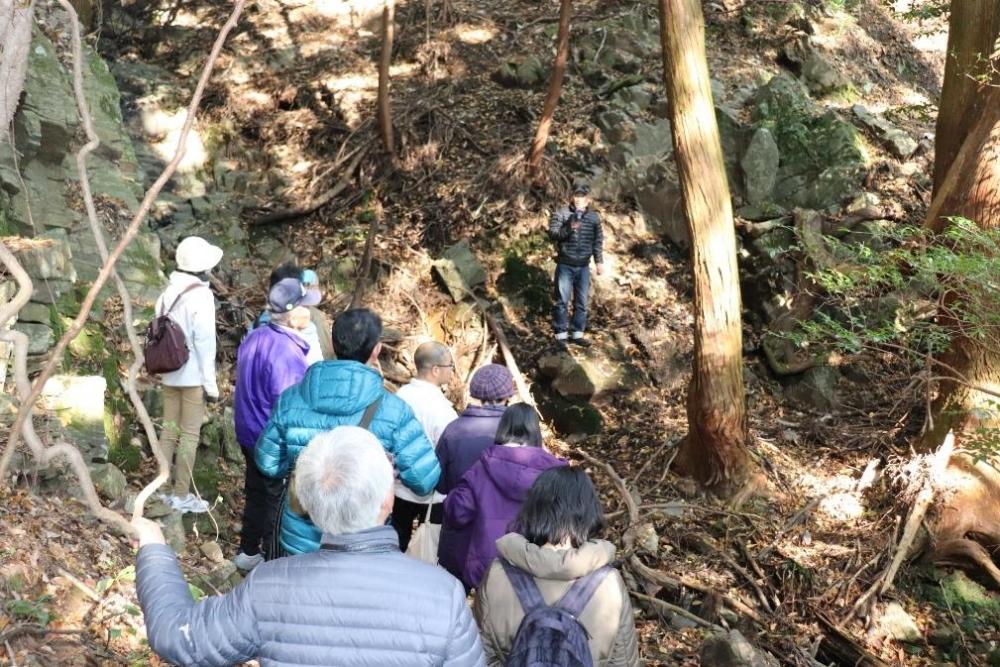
[576, 230]
[270, 360]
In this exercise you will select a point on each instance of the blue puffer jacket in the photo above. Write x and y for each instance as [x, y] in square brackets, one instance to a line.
[336, 393]
[356, 603]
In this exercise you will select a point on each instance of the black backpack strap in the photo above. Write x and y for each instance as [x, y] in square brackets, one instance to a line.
[369, 416]
[579, 594]
[178, 298]
[524, 587]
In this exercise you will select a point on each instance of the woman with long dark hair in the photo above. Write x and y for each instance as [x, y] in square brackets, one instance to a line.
[487, 498]
[554, 540]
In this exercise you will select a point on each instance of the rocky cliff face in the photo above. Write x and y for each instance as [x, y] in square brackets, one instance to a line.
[42, 207]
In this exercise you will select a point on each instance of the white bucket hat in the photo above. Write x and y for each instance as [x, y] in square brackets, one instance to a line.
[195, 254]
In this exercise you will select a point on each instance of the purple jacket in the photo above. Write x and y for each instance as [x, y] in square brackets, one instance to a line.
[270, 360]
[481, 507]
[464, 441]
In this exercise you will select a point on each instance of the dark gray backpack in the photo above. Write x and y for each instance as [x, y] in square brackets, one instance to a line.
[551, 636]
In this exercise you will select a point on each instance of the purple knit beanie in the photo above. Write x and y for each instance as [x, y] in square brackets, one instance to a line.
[492, 382]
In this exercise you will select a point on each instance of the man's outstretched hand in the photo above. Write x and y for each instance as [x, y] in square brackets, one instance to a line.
[148, 531]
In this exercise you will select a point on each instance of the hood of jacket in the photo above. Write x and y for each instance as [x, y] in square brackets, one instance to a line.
[513, 469]
[558, 564]
[340, 387]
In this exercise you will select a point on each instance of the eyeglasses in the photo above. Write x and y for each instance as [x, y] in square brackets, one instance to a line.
[451, 366]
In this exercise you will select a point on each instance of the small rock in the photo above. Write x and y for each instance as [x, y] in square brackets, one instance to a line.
[231, 448]
[647, 539]
[40, 336]
[521, 72]
[817, 388]
[220, 580]
[899, 143]
[109, 481]
[733, 650]
[35, 312]
[213, 552]
[899, 625]
[460, 270]
[760, 166]
[173, 531]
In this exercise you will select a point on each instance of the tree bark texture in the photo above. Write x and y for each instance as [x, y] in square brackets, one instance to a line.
[555, 89]
[16, 19]
[972, 38]
[714, 451]
[971, 189]
[385, 62]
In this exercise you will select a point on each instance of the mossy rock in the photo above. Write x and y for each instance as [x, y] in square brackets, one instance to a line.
[568, 417]
[529, 284]
[823, 159]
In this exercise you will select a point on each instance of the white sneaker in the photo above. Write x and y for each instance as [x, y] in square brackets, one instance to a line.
[189, 503]
[245, 563]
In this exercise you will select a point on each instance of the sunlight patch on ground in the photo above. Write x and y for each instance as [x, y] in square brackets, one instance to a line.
[164, 129]
[474, 34]
[840, 500]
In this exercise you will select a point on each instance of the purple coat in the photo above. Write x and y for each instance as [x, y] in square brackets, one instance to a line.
[270, 360]
[464, 441]
[482, 506]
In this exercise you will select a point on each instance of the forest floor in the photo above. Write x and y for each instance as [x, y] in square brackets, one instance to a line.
[297, 85]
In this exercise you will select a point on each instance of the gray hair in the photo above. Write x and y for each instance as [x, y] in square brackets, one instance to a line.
[429, 355]
[342, 478]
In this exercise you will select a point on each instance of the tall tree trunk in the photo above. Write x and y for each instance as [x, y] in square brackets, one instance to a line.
[971, 189]
[714, 451]
[555, 89]
[967, 184]
[15, 42]
[972, 38]
[385, 61]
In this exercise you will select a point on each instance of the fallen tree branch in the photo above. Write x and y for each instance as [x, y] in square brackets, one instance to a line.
[284, 215]
[28, 401]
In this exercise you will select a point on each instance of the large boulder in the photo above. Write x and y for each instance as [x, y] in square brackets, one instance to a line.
[760, 166]
[460, 270]
[822, 162]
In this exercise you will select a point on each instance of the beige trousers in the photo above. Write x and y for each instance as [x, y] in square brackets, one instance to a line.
[183, 413]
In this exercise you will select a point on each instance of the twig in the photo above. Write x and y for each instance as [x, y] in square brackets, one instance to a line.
[674, 609]
[37, 631]
[83, 588]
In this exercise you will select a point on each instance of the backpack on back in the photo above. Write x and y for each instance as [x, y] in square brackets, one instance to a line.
[166, 347]
[551, 636]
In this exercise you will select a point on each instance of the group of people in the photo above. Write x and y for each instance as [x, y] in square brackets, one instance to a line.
[340, 471]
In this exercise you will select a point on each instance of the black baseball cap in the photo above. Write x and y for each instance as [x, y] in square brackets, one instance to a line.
[581, 189]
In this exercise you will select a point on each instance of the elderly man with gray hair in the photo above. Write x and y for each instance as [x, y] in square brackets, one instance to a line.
[356, 601]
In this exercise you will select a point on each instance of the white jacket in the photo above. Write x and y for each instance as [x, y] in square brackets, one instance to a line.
[195, 314]
[434, 412]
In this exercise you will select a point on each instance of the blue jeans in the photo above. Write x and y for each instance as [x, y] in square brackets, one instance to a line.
[571, 283]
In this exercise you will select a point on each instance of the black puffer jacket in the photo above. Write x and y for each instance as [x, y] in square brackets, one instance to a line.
[577, 247]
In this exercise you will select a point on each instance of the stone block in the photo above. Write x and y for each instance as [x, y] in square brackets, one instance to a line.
[40, 336]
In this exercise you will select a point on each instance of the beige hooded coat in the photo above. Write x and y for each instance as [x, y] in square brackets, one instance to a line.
[607, 617]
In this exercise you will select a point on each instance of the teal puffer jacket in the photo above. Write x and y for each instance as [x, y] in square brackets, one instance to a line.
[336, 393]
